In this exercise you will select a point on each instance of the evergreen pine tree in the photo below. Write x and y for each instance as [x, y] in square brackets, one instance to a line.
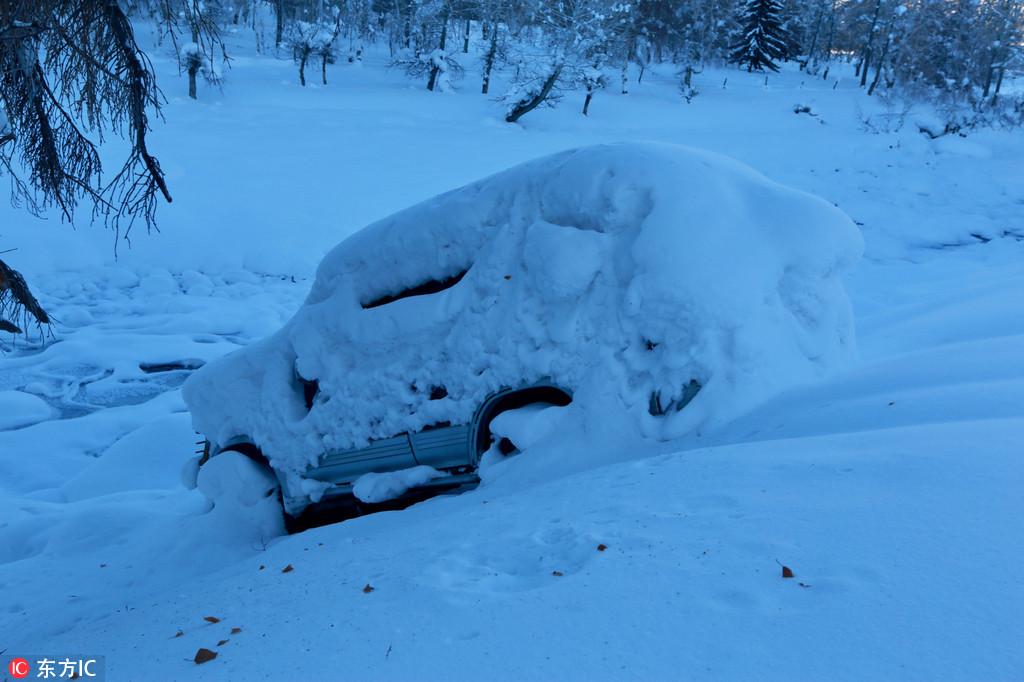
[763, 38]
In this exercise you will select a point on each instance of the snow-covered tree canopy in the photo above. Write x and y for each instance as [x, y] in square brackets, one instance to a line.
[953, 50]
[763, 39]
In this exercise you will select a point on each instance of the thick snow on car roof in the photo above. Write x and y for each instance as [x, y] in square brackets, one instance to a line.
[620, 271]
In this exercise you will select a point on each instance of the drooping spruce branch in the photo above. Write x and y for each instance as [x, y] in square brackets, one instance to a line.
[17, 302]
[70, 73]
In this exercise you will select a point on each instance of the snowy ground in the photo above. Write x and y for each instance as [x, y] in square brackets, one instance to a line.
[892, 491]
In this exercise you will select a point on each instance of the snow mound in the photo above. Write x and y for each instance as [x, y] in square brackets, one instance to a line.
[380, 487]
[527, 426]
[18, 409]
[244, 497]
[628, 273]
[524, 427]
[138, 461]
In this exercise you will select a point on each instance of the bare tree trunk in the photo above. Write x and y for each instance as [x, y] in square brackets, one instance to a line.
[193, 65]
[489, 59]
[586, 102]
[323, 68]
[465, 38]
[879, 66]
[831, 39]
[525, 107]
[869, 44]
[279, 27]
[991, 70]
[814, 40]
[435, 70]
[303, 57]
[630, 40]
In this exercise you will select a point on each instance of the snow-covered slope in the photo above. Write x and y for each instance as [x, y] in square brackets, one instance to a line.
[617, 271]
[891, 490]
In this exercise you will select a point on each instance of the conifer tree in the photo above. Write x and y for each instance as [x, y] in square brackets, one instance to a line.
[763, 38]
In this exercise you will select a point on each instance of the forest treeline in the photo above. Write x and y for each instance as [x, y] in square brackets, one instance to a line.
[72, 71]
[955, 52]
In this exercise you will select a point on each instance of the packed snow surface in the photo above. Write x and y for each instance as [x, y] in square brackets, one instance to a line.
[619, 271]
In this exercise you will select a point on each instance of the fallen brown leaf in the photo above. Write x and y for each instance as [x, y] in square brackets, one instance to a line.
[368, 589]
[602, 547]
[212, 619]
[204, 655]
[287, 569]
[557, 574]
[179, 633]
[235, 631]
[222, 642]
[787, 572]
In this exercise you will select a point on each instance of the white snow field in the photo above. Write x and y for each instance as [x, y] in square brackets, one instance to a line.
[892, 487]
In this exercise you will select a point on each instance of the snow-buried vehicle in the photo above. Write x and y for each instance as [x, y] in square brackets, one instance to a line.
[656, 288]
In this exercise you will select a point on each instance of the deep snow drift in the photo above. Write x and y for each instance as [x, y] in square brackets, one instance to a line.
[892, 489]
[621, 272]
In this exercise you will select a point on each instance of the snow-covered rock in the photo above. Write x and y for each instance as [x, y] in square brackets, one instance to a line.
[623, 272]
[18, 409]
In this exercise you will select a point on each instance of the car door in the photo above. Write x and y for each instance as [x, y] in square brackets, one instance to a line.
[443, 447]
[387, 454]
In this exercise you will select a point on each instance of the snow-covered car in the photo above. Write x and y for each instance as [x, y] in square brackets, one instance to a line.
[640, 289]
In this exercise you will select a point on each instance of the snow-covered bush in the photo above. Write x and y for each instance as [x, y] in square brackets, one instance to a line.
[593, 79]
[536, 83]
[427, 51]
[314, 40]
[686, 87]
[438, 65]
[193, 27]
[571, 37]
[629, 273]
[192, 61]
